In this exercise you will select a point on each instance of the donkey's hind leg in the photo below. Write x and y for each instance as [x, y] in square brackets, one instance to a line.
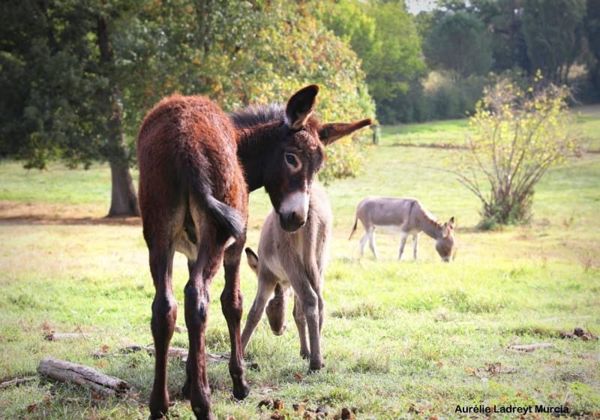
[196, 312]
[363, 242]
[231, 304]
[372, 241]
[164, 316]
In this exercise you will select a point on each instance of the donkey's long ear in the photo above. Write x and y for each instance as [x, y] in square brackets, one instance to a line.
[300, 106]
[252, 260]
[328, 133]
[451, 222]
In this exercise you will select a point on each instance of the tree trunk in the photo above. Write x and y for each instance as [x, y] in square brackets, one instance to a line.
[123, 198]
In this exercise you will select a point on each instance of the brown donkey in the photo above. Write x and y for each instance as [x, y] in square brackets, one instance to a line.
[197, 166]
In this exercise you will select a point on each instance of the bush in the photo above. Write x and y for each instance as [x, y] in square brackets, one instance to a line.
[517, 134]
[446, 97]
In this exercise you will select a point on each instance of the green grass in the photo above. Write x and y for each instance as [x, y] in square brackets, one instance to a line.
[401, 339]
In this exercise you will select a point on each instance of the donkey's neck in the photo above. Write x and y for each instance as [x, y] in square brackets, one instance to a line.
[432, 228]
[254, 149]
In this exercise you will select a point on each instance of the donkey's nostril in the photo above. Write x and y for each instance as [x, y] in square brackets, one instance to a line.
[292, 221]
[298, 218]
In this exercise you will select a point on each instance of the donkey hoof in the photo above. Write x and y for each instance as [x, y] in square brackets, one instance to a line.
[203, 413]
[158, 406]
[305, 354]
[315, 366]
[241, 391]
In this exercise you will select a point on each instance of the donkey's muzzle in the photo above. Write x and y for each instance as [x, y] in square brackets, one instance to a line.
[292, 221]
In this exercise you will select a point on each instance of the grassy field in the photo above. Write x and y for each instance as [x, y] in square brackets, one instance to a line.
[401, 339]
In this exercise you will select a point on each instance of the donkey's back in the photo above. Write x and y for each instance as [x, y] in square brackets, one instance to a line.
[386, 211]
[184, 146]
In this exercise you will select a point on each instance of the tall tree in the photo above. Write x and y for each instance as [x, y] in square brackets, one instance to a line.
[503, 18]
[592, 28]
[78, 76]
[64, 73]
[384, 36]
[553, 32]
[459, 43]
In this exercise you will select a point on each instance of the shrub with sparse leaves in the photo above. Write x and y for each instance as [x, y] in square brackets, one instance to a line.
[516, 136]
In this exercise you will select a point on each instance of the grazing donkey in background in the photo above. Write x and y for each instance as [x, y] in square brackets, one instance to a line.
[410, 217]
[297, 259]
[197, 165]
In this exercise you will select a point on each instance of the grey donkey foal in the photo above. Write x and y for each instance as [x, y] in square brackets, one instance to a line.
[407, 214]
[297, 259]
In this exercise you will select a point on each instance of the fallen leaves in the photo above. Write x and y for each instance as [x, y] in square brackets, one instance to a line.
[490, 369]
[301, 410]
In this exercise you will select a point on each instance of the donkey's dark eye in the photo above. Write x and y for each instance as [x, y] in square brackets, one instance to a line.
[291, 159]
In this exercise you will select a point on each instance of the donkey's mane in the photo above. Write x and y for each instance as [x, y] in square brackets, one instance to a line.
[257, 114]
[430, 218]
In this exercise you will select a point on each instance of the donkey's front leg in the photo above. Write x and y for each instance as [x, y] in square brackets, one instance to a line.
[196, 314]
[300, 320]
[415, 245]
[231, 304]
[403, 237]
[309, 302]
[266, 284]
[164, 315]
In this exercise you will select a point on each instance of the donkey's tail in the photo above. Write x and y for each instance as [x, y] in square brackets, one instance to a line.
[225, 216]
[353, 227]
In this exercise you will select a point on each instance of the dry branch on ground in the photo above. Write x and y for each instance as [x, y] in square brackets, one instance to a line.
[530, 347]
[17, 382]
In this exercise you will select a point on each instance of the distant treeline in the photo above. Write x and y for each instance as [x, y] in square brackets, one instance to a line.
[435, 65]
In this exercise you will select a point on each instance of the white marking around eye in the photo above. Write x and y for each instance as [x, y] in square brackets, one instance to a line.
[296, 202]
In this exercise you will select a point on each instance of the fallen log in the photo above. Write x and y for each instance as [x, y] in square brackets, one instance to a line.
[98, 382]
[530, 347]
[17, 382]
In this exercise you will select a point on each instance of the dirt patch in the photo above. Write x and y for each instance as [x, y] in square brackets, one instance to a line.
[17, 213]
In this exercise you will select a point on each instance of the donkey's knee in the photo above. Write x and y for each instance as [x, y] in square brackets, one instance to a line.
[232, 304]
[164, 315]
[310, 305]
[196, 306]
